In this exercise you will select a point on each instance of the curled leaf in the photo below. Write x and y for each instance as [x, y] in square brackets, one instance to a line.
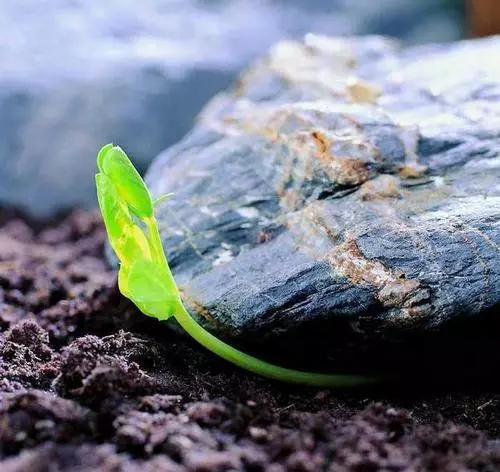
[114, 163]
[127, 239]
[101, 153]
[114, 212]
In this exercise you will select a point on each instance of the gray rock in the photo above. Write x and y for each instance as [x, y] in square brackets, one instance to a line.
[75, 75]
[341, 186]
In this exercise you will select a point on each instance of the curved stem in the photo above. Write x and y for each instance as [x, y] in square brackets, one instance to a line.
[260, 367]
[239, 358]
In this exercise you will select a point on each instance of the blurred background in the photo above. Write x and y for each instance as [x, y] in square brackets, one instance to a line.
[75, 74]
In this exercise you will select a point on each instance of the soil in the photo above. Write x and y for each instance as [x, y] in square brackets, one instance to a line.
[88, 383]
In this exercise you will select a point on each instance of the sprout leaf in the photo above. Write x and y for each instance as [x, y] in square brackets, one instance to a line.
[115, 164]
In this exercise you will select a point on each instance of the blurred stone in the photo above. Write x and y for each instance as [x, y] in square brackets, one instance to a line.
[75, 74]
[303, 208]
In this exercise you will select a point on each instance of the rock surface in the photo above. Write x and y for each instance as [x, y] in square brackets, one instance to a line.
[75, 75]
[343, 187]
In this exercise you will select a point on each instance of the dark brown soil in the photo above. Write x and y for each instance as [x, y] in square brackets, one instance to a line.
[88, 383]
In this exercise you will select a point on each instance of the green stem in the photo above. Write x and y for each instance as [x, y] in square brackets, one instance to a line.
[260, 367]
[239, 358]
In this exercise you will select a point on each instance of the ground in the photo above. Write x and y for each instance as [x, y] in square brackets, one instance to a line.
[87, 383]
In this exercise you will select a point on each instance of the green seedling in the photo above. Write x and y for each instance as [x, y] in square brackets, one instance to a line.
[144, 275]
